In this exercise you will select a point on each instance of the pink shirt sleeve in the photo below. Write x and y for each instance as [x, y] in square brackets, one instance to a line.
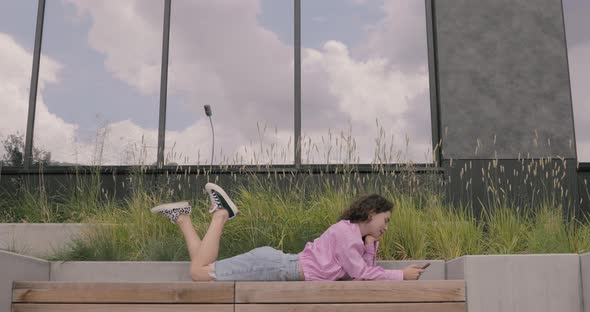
[349, 255]
[370, 255]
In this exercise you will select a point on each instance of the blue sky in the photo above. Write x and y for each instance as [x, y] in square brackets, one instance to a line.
[86, 87]
[88, 94]
[17, 18]
[320, 20]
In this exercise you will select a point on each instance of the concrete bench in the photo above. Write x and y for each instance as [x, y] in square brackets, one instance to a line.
[341, 296]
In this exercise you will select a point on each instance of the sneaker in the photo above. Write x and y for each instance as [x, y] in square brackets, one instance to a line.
[220, 199]
[173, 210]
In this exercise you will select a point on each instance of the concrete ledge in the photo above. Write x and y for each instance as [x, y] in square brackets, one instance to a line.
[103, 271]
[455, 269]
[520, 282]
[585, 270]
[18, 267]
[493, 283]
[38, 239]
[165, 271]
[436, 270]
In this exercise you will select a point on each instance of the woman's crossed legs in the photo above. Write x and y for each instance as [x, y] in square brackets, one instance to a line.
[203, 253]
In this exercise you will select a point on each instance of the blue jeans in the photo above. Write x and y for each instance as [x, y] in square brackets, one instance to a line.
[259, 264]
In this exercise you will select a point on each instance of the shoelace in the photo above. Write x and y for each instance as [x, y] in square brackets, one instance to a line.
[216, 199]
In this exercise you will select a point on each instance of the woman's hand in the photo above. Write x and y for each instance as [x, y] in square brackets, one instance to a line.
[412, 272]
[369, 240]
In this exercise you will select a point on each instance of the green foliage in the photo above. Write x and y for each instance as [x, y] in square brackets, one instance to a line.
[407, 231]
[548, 232]
[31, 202]
[420, 229]
[453, 233]
[286, 213]
[507, 231]
[14, 152]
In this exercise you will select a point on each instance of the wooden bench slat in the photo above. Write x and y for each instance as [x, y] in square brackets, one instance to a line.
[41, 307]
[351, 291]
[371, 307]
[91, 292]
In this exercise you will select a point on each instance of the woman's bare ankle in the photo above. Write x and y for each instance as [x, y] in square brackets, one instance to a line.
[183, 219]
[221, 214]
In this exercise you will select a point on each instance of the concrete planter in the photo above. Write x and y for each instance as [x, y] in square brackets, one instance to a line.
[520, 282]
[18, 267]
[100, 271]
[22, 268]
[120, 271]
[585, 268]
[38, 239]
[493, 283]
[554, 282]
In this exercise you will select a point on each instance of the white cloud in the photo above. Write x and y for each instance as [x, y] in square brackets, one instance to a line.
[126, 32]
[366, 91]
[400, 36]
[15, 71]
[52, 133]
[385, 77]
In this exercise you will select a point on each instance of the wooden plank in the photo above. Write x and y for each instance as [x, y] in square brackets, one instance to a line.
[351, 291]
[44, 307]
[124, 292]
[370, 307]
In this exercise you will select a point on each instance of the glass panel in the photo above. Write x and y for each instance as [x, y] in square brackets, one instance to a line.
[365, 96]
[237, 57]
[99, 101]
[17, 40]
[577, 24]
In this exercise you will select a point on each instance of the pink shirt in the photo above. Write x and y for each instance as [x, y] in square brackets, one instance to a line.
[340, 254]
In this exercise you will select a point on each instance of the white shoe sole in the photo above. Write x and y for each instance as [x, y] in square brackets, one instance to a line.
[160, 208]
[214, 187]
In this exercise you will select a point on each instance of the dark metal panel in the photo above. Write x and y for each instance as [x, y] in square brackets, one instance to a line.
[513, 183]
[229, 170]
[583, 180]
[433, 82]
[297, 87]
[164, 83]
[34, 84]
[121, 184]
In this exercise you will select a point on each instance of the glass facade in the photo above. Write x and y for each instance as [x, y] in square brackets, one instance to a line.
[236, 57]
[365, 96]
[17, 37]
[364, 81]
[98, 103]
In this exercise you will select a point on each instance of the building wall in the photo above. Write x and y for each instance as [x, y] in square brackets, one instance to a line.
[503, 78]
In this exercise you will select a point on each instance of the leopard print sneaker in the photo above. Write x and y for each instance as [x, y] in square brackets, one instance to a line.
[173, 210]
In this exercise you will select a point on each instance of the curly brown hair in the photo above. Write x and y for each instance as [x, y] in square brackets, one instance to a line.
[361, 208]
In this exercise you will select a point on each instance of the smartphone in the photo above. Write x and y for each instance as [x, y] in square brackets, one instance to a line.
[425, 266]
